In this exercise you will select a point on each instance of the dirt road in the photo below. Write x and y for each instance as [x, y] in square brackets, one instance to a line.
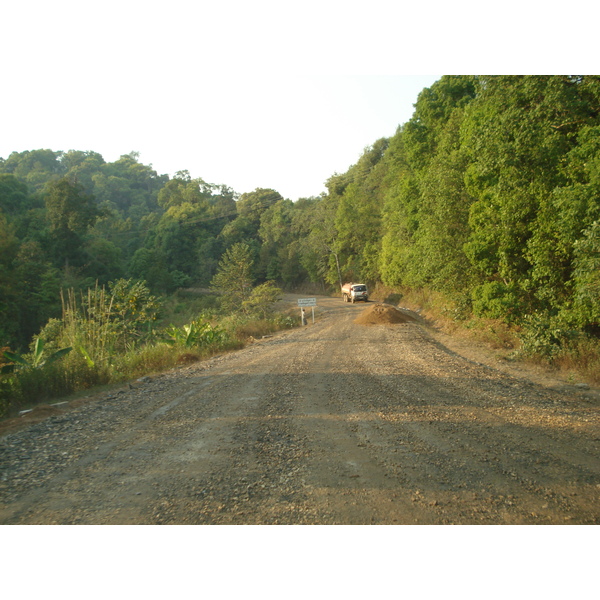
[332, 423]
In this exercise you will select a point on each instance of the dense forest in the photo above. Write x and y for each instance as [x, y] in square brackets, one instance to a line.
[488, 195]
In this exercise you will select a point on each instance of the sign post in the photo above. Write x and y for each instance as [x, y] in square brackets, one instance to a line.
[302, 303]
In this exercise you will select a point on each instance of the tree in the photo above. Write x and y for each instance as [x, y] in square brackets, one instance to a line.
[250, 208]
[313, 225]
[81, 167]
[34, 167]
[275, 260]
[425, 201]
[9, 289]
[358, 215]
[253, 204]
[586, 307]
[233, 280]
[14, 197]
[529, 181]
[70, 212]
[262, 299]
[39, 289]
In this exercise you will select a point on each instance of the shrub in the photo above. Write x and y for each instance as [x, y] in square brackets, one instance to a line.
[198, 333]
[104, 322]
[543, 337]
[262, 299]
[495, 300]
[8, 395]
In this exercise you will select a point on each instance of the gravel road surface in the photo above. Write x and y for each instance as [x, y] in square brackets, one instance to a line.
[334, 423]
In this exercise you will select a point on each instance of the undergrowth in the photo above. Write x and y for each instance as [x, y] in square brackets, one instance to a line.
[111, 346]
[536, 339]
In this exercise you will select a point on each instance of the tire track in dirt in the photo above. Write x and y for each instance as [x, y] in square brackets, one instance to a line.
[450, 440]
[331, 423]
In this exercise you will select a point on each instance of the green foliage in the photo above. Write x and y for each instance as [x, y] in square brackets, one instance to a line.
[234, 279]
[7, 394]
[586, 279]
[522, 136]
[101, 322]
[279, 257]
[313, 226]
[132, 306]
[260, 303]
[252, 205]
[489, 195]
[14, 196]
[36, 375]
[34, 167]
[36, 360]
[543, 336]
[495, 300]
[198, 333]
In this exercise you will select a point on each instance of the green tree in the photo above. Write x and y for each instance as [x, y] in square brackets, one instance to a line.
[261, 301]
[81, 167]
[71, 212]
[35, 168]
[39, 289]
[521, 134]
[14, 196]
[252, 205]
[358, 215]
[586, 280]
[442, 215]
[9, 289]
[400, 214]
[425, 200]
[233, 280]
[276, 261]
[313, 227]
[250, 208]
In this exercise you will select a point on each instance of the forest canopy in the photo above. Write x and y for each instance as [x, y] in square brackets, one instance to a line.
[489, 194]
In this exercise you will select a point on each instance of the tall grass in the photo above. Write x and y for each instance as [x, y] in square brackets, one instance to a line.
[87, 326]
[109, 347]
[582, 356]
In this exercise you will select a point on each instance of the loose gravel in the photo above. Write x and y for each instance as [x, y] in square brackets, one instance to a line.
[334, 423]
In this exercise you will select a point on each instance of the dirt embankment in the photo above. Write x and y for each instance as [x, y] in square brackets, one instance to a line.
[332, 423]
[383, 314]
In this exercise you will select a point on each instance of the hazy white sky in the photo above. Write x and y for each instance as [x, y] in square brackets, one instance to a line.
[249, 94]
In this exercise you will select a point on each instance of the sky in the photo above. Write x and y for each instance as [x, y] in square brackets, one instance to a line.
[246, 94]
[289, 133]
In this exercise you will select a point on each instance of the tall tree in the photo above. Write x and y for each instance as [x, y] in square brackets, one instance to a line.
[34, 167]
[234, 278]
[14, 196]
[520, 133]
[71, 212]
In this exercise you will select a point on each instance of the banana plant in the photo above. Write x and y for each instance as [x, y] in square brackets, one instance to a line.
[37, 360]
[197, 333]
[185, 336]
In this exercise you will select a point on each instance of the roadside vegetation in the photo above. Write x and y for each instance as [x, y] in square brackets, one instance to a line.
[485, 204]
[571, 354]
[119, 332]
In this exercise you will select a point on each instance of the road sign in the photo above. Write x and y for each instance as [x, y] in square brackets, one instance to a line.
[307, 301]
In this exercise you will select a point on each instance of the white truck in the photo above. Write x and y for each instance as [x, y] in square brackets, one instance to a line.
[353, 292]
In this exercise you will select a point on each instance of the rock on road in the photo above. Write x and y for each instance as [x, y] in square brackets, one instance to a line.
[334, 423]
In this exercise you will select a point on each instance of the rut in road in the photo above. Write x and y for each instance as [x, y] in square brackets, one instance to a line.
[332, 423]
